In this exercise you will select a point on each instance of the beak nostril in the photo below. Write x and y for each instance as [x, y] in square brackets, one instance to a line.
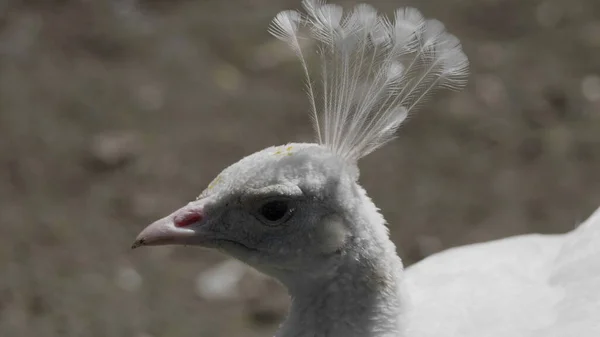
[187, 219]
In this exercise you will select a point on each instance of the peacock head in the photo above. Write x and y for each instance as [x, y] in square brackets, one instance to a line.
[298, 208]
[283, 210]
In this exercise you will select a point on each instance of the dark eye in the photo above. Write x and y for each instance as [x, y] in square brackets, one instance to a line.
[275, 210]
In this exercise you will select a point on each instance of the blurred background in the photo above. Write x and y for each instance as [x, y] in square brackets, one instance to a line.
[114, 113]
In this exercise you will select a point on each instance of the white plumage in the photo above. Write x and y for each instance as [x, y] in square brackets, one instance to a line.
[297, 213]
[529, 285]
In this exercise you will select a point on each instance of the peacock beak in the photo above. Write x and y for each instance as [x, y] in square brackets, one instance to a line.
[179, 228]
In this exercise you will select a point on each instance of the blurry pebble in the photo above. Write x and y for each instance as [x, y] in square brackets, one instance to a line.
[266, 316]
[111, 150]
[128, 279]
[590, 87]
[221, 281]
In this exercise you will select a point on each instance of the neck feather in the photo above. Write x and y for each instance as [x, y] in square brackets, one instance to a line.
[362, 298]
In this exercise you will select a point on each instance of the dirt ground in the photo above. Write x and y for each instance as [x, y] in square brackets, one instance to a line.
[113, 113]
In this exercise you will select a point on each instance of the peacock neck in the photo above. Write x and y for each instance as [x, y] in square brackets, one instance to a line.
[367, 306]
[361, 297]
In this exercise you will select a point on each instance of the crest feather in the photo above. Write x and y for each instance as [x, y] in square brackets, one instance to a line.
[373, 73]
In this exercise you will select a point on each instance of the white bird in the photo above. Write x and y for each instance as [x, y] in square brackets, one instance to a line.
[297, 212]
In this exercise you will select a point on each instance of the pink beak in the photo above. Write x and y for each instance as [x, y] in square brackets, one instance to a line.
[176, 228]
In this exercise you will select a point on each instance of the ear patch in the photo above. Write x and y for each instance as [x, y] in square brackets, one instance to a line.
[333, 233]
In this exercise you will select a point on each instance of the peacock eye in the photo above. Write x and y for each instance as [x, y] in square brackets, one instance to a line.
[275, 211]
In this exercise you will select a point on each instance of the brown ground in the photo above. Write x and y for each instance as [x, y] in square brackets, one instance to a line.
[113, 113]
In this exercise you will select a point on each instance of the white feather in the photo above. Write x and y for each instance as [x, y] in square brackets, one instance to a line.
[373, 72]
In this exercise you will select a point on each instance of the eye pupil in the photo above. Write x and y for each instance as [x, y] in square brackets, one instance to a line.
[274, 210]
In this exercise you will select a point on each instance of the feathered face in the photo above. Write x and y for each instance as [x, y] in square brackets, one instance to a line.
[281, 210]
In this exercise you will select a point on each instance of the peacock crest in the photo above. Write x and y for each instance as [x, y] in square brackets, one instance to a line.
[372, 73]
